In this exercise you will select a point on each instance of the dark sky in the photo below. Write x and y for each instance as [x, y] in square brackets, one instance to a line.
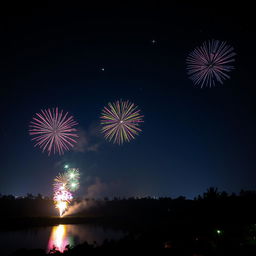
[192, 138]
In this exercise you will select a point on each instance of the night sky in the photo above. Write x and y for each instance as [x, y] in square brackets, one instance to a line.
[192, 138]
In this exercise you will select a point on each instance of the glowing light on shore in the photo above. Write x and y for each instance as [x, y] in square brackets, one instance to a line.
[61, 206]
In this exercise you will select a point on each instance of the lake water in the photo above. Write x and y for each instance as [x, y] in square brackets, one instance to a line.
[55, 236]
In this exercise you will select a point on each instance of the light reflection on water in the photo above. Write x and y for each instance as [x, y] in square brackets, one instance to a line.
[57, 236]
[63, 235]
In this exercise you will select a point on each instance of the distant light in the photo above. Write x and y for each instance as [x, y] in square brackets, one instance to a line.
[218, 231]
[66, 166]
[102, 69]
[153, 41]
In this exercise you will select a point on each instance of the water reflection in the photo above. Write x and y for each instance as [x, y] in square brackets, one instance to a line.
[63, 235]
[59, 238]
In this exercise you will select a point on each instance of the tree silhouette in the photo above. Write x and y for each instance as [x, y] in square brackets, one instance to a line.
[211, 194]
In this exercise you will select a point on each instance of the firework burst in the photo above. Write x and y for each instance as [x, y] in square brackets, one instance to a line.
[63, 184]
[210, 63]
[73, 178]
[60, 182]
[53, 131]
[63, 195]
[120, 121]
[73, 174]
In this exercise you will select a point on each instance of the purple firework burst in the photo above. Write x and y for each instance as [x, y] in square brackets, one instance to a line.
[53, 131]
[210, 63]
[62, 195]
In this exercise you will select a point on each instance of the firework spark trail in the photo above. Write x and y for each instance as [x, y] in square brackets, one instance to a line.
[120, 121]
[210, 63]
[63, 184]
[53, 131]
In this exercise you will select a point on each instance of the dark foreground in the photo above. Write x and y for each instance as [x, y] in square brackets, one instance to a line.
[197, 246]
[214, 224]
[182, 240]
